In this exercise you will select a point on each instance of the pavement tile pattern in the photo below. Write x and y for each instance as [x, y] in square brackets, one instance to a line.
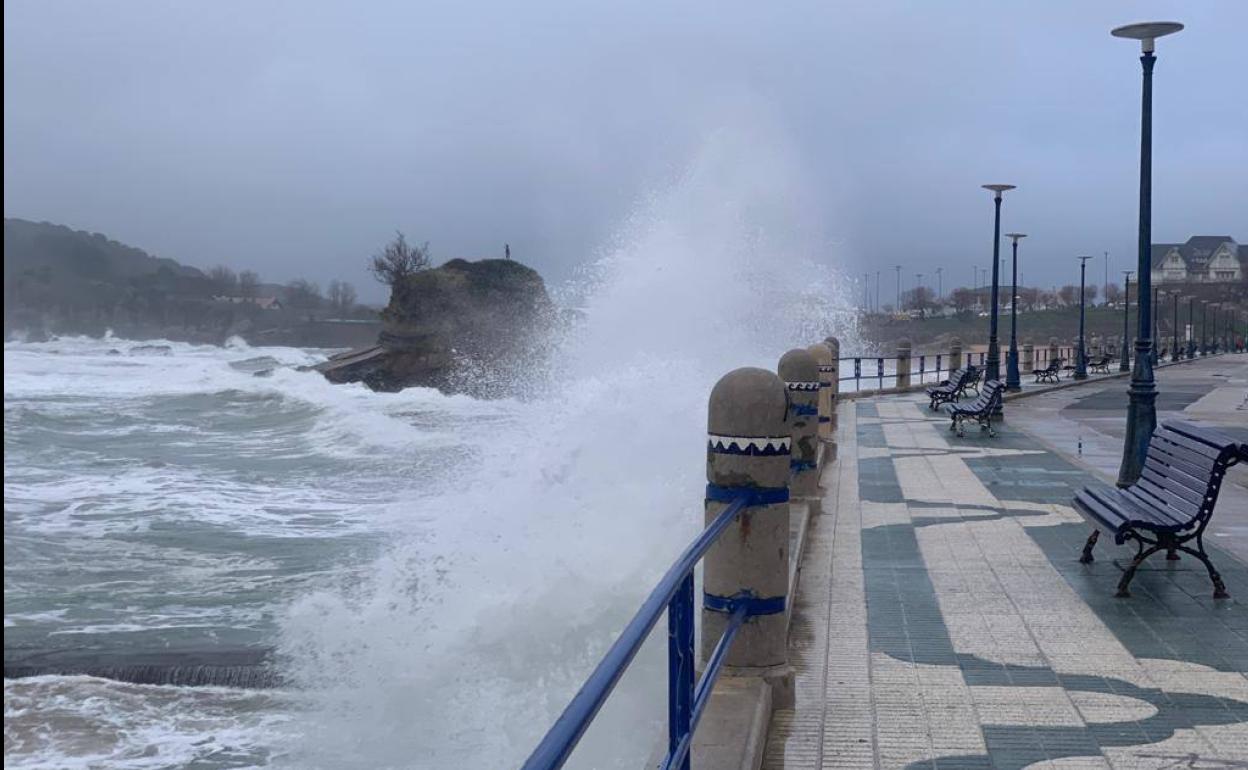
[942, 619]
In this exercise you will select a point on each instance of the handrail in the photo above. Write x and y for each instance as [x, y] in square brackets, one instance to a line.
[674, 592]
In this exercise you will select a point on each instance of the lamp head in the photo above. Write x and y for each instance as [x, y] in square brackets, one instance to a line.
[998, 188]
[1016, 236]
[1146, 32]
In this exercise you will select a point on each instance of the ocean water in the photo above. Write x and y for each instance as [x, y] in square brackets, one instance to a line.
[432, 576]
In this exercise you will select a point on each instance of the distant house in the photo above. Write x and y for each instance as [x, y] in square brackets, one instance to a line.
[264, 303]
[1203, 259]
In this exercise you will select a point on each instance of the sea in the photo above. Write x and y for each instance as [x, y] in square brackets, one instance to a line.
[409, 579]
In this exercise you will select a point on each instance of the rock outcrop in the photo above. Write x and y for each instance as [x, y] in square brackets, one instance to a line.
[462, 327]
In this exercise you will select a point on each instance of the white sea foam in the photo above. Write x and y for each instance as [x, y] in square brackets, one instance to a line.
[468, 639]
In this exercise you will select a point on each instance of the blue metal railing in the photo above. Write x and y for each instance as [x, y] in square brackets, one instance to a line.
[685, 700]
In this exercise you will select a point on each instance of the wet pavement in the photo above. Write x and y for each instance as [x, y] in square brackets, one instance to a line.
[942, 618]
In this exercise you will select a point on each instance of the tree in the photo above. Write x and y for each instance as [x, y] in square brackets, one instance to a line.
[303, 294]
[963, 299]
[224, 281]
[1089, 293]
[248, 284]
[341, 296]
[1068, 294]
[919, 298]
[398, 260]
[1113, 293]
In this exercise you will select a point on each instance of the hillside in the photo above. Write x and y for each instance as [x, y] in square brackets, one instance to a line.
[63, 281]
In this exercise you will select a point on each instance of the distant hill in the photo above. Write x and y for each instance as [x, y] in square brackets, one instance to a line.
[63, 281]
[55, 250]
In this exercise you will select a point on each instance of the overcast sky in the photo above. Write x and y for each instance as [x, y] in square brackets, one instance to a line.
[295, 137]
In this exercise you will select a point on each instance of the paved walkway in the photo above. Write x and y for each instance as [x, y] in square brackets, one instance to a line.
[942, 619]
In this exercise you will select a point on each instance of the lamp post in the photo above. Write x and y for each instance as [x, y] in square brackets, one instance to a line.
[993, 363]
[1174, 352]
[1124, 364]
[1142, 406]
[1011, 361]
[1204, 327]
[898, 269]
[1191, 329]
[1156, 334]
[1081, 358]
[1213, 338]
[940, 283]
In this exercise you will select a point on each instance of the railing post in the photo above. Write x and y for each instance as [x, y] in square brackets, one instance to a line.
[827, 376]
[1029, 357]
[748, 452]
[834, 345]
[903, 364]
[800, 373]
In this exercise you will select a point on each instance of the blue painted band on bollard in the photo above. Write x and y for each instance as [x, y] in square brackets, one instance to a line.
[753, 496]
[753, 605]
[801, 465]
[803, 409]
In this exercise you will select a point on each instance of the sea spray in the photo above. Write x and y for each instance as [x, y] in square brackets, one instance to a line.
[467, 638]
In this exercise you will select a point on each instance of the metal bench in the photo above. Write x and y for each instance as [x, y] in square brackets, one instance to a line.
[1100, 366]
[972, 381]
[980, 410]
[1050, 373]
[951, 389]
[1172, 501]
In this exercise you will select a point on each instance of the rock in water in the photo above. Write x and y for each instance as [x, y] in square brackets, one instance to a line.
[486, 318]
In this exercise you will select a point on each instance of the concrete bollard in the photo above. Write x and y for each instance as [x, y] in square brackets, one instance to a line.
[800, 372]
[827, 372]
[955, 354]
[1029, 358]
[748, 453]
[1054, 350]
[903, 364]
[835, 346]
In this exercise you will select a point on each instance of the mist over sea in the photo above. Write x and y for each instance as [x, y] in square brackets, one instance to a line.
[430, 577]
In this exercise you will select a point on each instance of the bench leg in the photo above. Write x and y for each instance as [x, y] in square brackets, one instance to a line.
[1123, 585]
[1172, 555]
[1087, 558]
[1219, 588]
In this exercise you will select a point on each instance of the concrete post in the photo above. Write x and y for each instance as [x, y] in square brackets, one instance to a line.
[903, 364]
[1029, 357]
[748, 452]
[1054, 350]
[827, 372]
[800, 372]
[955, 354]
[835, 390]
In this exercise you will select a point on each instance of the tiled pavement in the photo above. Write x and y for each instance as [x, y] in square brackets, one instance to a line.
[942, 619]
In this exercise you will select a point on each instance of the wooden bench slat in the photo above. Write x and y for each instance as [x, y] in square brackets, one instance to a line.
[1171, 487]
[1211, 436]
[1164, 505]
[1200, 447]
[1140, 508]
[1172, 453]
[1178, 483]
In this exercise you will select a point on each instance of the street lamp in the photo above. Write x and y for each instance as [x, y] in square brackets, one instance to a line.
[1142, 406]
[1204, 327]
[940, 284]
[1191, 328]
[1081, 358]
[1011, 362]
[993, 364]
[1124, 364]
[1174, 353]
[1156, 331]
[898, 269]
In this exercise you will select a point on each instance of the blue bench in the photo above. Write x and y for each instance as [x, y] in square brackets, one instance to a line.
[980, 410]
[1172, 501]
[952, 388]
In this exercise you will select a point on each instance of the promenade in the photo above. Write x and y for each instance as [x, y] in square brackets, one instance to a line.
[942, 619]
